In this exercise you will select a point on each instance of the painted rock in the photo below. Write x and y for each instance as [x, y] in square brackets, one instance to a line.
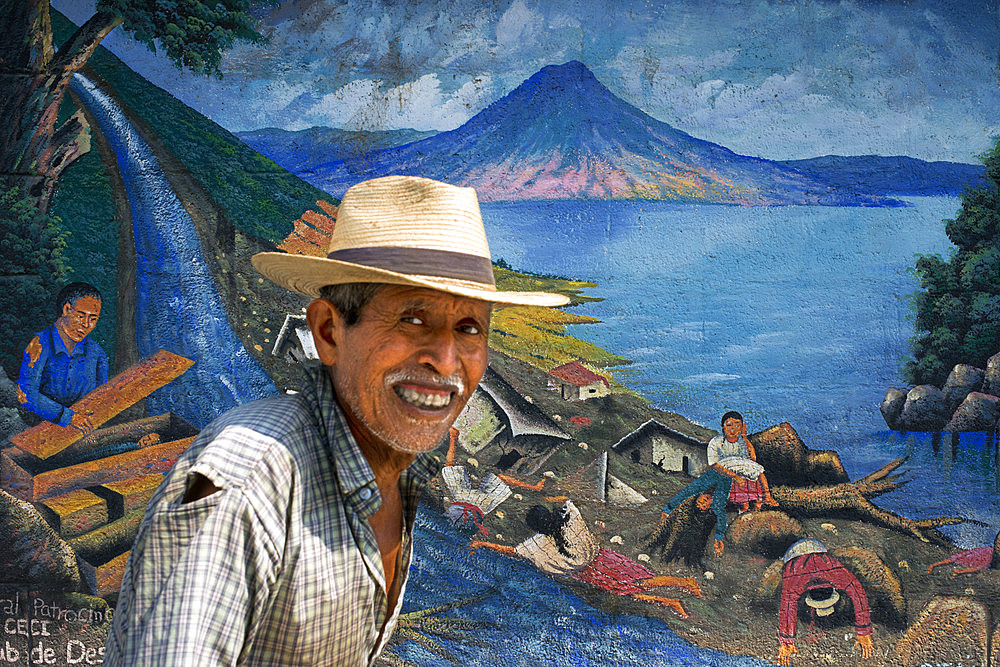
[892, 406]
[991, 380]
[978, 412]
[948, 629]
[925, 410]
[962, 380]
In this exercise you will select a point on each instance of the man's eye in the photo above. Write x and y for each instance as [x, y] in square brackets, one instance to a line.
[411, 319]
[471, 329]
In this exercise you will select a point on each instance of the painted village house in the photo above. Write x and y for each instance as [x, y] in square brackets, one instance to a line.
[499, 425]
[659, 445]
[575, 382]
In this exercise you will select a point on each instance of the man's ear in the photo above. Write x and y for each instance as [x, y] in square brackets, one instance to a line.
[327, 326]
[67, 309]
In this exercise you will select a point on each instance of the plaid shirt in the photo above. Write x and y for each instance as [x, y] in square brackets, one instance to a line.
[281, 566]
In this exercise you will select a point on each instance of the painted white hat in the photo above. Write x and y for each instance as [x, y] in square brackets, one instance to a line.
[403, 230]
[807, 545]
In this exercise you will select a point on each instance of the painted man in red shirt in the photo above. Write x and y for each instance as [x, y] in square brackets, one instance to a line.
[809, 570]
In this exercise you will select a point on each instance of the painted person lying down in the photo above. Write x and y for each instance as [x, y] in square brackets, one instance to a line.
[563, 545]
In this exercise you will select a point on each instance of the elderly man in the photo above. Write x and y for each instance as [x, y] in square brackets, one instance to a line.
[61, 364]
[284, 534]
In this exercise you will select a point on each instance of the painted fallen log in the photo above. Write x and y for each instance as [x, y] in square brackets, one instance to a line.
[855, 497]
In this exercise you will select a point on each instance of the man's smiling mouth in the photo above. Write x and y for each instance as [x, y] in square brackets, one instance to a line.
[428, 399]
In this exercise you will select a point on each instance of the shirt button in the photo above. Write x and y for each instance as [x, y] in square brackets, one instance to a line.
[365, 494]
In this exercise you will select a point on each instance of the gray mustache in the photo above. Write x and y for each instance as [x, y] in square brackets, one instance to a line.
[452, 383]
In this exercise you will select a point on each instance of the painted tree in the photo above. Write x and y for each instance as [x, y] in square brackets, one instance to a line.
[34, 75]
[958, 307]
[31, 273]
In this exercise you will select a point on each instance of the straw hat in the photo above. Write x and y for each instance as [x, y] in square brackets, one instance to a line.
[403, 230]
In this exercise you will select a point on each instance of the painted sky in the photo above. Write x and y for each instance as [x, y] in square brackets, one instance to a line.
[784, 80]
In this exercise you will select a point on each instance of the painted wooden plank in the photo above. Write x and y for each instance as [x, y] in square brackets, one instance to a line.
[118, 393]
[75, 512]
[126, 495]
[109, 540]
[105, 578]
[155, 459]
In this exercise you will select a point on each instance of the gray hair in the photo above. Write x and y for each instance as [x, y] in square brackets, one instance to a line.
[350, 298]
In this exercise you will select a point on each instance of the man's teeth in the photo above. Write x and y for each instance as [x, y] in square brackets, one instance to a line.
[423, 400]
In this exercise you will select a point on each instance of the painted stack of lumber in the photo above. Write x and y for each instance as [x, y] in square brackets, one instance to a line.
[93, 489]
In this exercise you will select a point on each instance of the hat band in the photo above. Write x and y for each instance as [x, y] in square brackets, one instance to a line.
[421, 261]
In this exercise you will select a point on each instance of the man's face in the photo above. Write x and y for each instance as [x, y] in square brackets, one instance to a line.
[732, 428]
[405, 370]
[79, 318]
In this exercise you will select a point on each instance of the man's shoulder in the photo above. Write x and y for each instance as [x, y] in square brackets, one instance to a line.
[94, 348]
[40, 340]
[272, 418]
[274, 433]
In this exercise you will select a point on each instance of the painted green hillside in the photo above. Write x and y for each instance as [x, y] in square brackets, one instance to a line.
[260, 198]
[257, 197]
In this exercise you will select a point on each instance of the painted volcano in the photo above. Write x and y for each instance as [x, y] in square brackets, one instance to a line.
[562, 134]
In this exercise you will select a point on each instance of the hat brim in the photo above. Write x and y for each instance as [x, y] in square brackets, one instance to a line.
[825, 604]
[308, 275]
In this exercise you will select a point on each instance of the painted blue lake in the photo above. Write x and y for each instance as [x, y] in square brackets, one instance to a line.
[797, 314]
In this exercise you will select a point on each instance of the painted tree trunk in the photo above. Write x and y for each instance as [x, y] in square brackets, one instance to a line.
[33, 81]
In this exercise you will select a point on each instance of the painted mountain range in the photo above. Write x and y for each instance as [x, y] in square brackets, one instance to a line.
[562, 134]
[301, 151]
[893, 175]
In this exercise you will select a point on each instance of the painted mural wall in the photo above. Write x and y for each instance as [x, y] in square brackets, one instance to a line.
[788, 210]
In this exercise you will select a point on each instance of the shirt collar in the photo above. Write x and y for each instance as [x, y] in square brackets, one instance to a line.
[354, 475]
[58, 345]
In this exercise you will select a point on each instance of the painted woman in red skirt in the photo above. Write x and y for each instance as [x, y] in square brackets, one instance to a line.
[733, 451]
[563, 545]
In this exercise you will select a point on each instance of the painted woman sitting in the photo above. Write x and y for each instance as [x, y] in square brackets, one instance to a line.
[733, 471]
[563, 545]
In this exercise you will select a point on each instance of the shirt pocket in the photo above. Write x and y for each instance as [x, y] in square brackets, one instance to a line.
[166, 542]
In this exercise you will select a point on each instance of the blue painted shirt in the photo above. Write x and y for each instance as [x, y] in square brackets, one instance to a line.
[52, 378]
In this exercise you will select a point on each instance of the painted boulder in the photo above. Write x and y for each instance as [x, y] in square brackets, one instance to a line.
[892, 406]
[962, 380]
[948, 629]
[978, 412]
[925, 410]
[991, 380]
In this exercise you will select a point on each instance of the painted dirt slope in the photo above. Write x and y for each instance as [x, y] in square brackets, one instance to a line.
[563, 134]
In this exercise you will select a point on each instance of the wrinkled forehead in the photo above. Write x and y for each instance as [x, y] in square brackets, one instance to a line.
[422, 298]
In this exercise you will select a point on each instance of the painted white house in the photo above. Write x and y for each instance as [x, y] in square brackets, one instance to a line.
[575, 382]
[661, 446]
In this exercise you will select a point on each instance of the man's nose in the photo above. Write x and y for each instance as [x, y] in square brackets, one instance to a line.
[440, 351]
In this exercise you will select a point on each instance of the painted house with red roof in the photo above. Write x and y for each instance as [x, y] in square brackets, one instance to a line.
[575, 382]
